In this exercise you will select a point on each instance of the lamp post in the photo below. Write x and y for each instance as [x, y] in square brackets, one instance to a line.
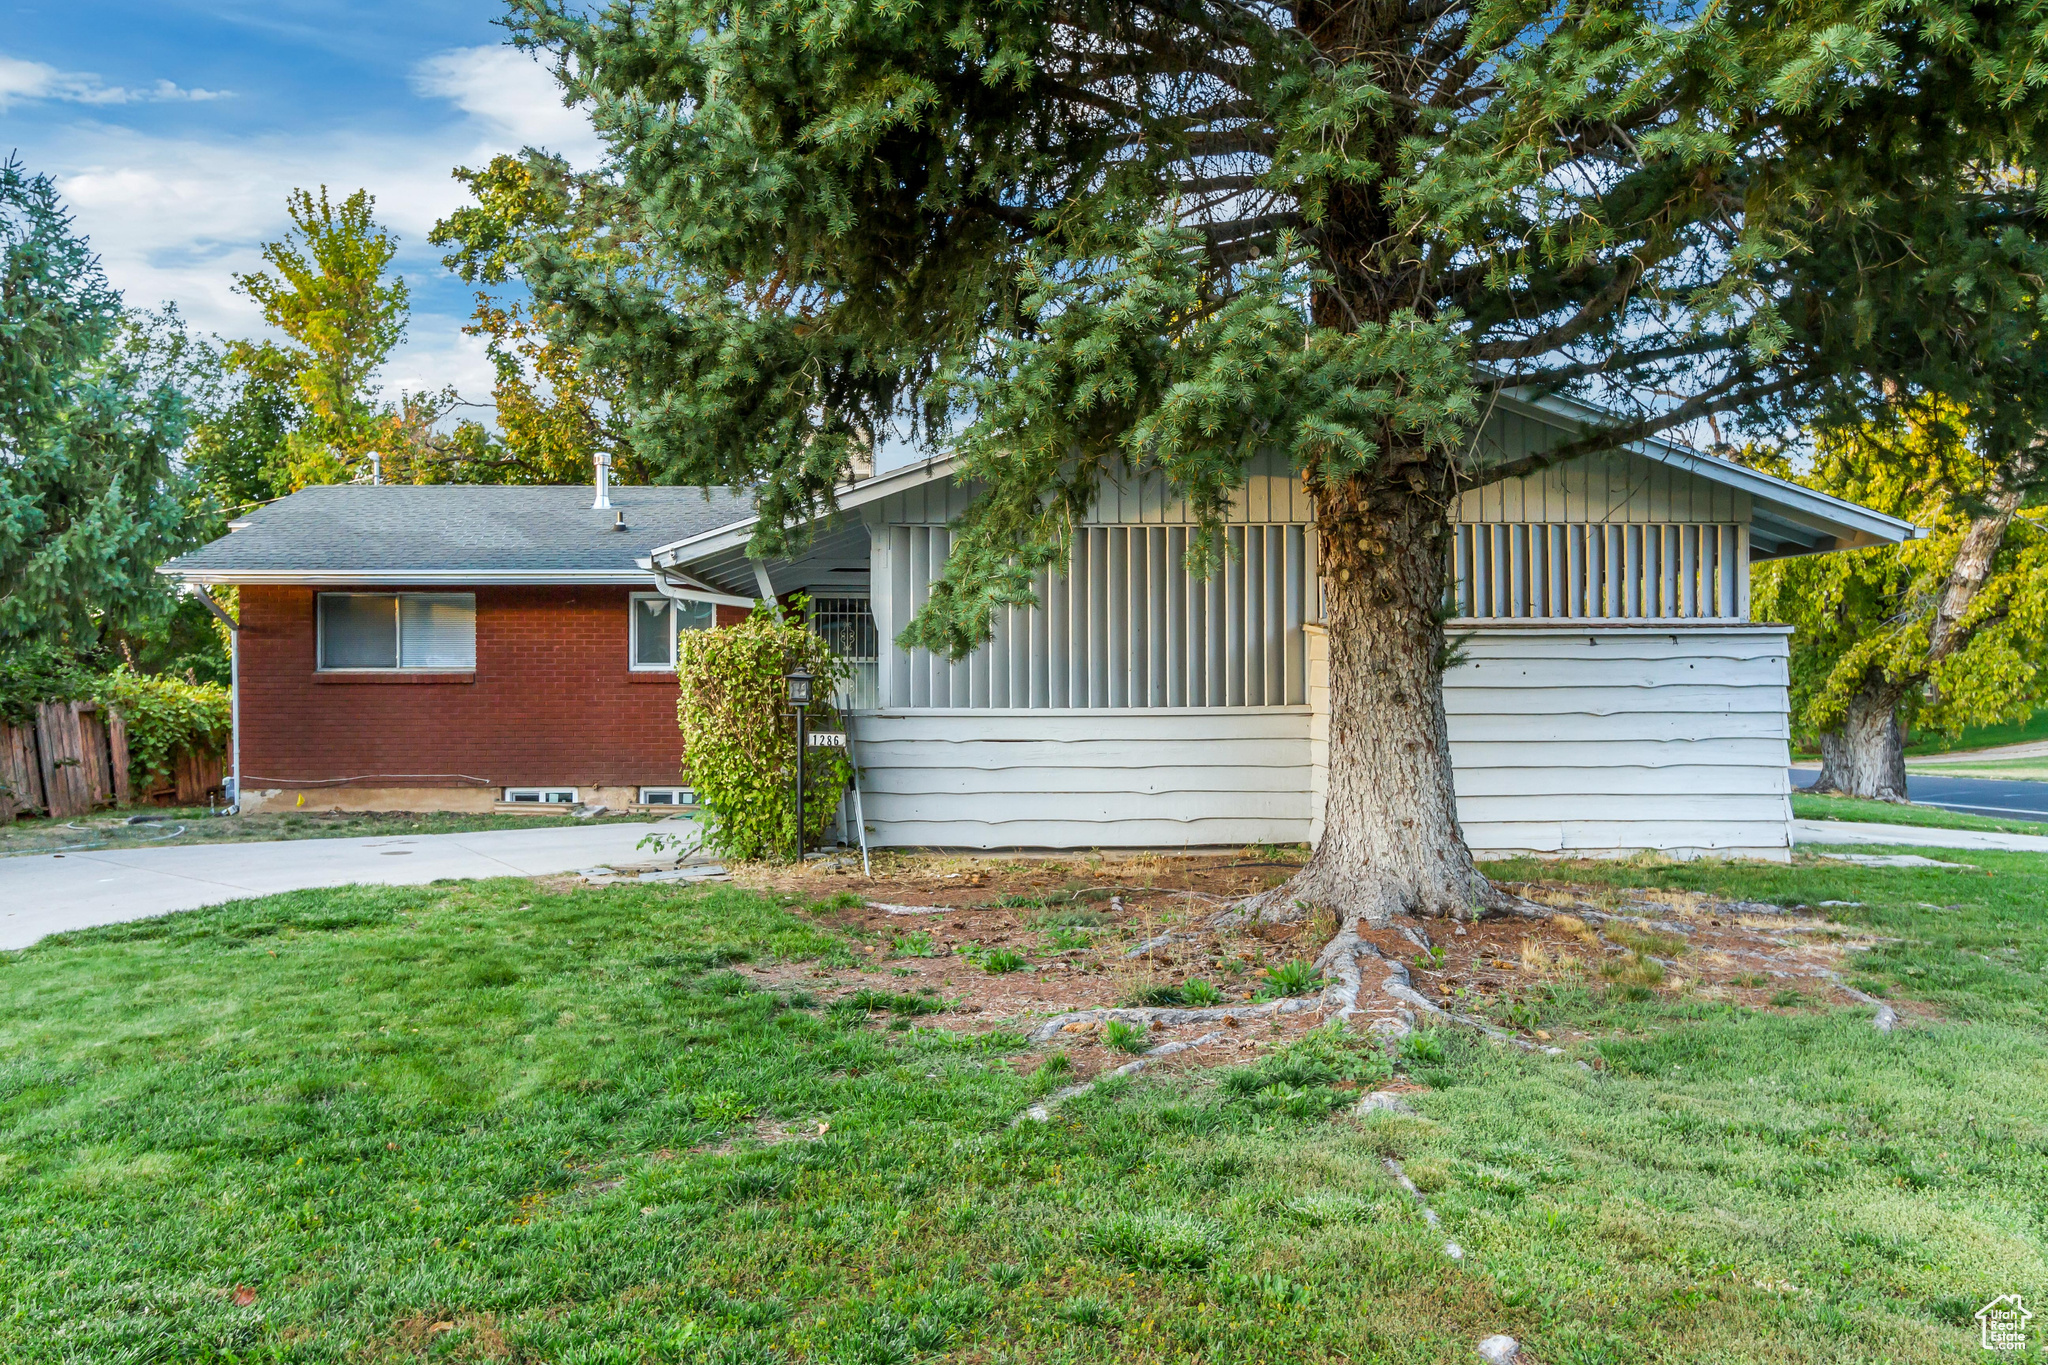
[799, 682]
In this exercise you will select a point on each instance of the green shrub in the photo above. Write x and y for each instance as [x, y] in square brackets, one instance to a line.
[739, 734]
[165, 715]
[1001, 961]
[1201, 993]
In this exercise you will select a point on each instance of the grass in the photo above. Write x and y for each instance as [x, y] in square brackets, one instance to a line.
[1885, 813]
[486, 1122]
[180, 826]
[2013, 769]
[2034, 727]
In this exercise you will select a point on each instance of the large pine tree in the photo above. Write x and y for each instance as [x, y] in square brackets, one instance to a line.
[1076, 238]
[91, 500]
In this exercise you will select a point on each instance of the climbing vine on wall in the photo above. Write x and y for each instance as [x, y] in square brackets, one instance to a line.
[739, 733]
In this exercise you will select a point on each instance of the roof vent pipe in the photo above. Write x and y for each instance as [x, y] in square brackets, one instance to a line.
[604, 470]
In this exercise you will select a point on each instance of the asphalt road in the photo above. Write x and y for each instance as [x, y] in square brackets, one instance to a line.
[2009, 797]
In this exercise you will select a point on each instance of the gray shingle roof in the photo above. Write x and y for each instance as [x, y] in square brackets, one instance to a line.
[446, 528]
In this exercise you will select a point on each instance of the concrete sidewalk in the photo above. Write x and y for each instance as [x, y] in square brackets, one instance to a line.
[51, 892]
[1806, 832]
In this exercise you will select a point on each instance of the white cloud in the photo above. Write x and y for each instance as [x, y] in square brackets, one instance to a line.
[21, 81]
[513, 96]
[175, 218]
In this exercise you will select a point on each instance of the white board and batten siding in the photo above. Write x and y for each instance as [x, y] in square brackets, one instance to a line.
[1597, 740]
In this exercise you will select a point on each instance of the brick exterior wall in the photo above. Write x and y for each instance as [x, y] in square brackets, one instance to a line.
[552, 701]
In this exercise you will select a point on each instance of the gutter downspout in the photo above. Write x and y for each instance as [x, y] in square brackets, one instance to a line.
[234, 806]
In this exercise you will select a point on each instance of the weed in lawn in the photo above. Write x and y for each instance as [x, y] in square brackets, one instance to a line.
[1158, 994]
[869, 1000]
[1789, 999]
[1051, 1071]
[1074, 917]
[1633, 969]
[1290, 978]
[1159, 1241]
[919, 944]
[1083, 1310]
[1648, 942]
[1062, 939]
[1124, 1037]
[1423, 1046]
[1001, 961]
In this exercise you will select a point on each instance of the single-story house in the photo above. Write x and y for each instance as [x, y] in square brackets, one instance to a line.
[1615, 695]
[448, 647]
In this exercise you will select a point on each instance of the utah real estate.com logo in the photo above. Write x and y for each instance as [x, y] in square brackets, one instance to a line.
[2002, 1324]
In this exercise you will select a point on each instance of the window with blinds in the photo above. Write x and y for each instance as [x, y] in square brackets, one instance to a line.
[1126, 626]
[1571, 571]
[372, 631]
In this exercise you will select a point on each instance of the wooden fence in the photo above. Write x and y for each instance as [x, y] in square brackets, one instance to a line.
[74, 757]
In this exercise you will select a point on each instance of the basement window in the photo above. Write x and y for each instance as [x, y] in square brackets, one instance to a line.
[540, 796]
[667, 796]
[414, 631]
[656, 622]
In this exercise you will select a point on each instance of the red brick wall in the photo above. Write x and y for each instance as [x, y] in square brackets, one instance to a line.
[552, 700]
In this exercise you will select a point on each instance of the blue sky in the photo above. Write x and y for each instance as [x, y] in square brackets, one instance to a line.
[174, 131]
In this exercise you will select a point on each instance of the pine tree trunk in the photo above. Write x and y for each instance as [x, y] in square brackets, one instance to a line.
[1391, 842]
[1866, 756]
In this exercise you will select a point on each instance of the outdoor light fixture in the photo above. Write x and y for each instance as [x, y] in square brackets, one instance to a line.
[799, 681]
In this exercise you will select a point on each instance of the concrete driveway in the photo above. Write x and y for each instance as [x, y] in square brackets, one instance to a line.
[48, 893]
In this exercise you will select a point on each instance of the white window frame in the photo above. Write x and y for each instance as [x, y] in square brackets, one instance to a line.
[397, 640]
[678, 796]
[633, 632]
[540, 796]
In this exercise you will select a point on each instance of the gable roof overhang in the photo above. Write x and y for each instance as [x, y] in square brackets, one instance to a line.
[1786, 518]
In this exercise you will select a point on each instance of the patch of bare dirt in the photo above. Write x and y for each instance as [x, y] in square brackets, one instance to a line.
[1077, 921]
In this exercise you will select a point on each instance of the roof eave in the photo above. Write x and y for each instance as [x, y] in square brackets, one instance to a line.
[1851, 525]
[851, 496]
[330, 578]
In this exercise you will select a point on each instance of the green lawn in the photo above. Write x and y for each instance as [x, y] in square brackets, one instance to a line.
[2022, 769]
[196, 825]
[473, 1122]
[2032, 728]
[1885, 813]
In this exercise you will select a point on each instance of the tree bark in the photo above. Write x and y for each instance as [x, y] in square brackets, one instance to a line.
[1391, 842]
[1866, 755]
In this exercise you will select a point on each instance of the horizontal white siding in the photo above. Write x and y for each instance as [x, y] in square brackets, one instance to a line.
[1099, 779]
[1612, 740]
[1609, 740]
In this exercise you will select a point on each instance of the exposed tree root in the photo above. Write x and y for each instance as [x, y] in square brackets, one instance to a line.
[1041, 1112]
[1451, 1248]
[1170, 1017]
